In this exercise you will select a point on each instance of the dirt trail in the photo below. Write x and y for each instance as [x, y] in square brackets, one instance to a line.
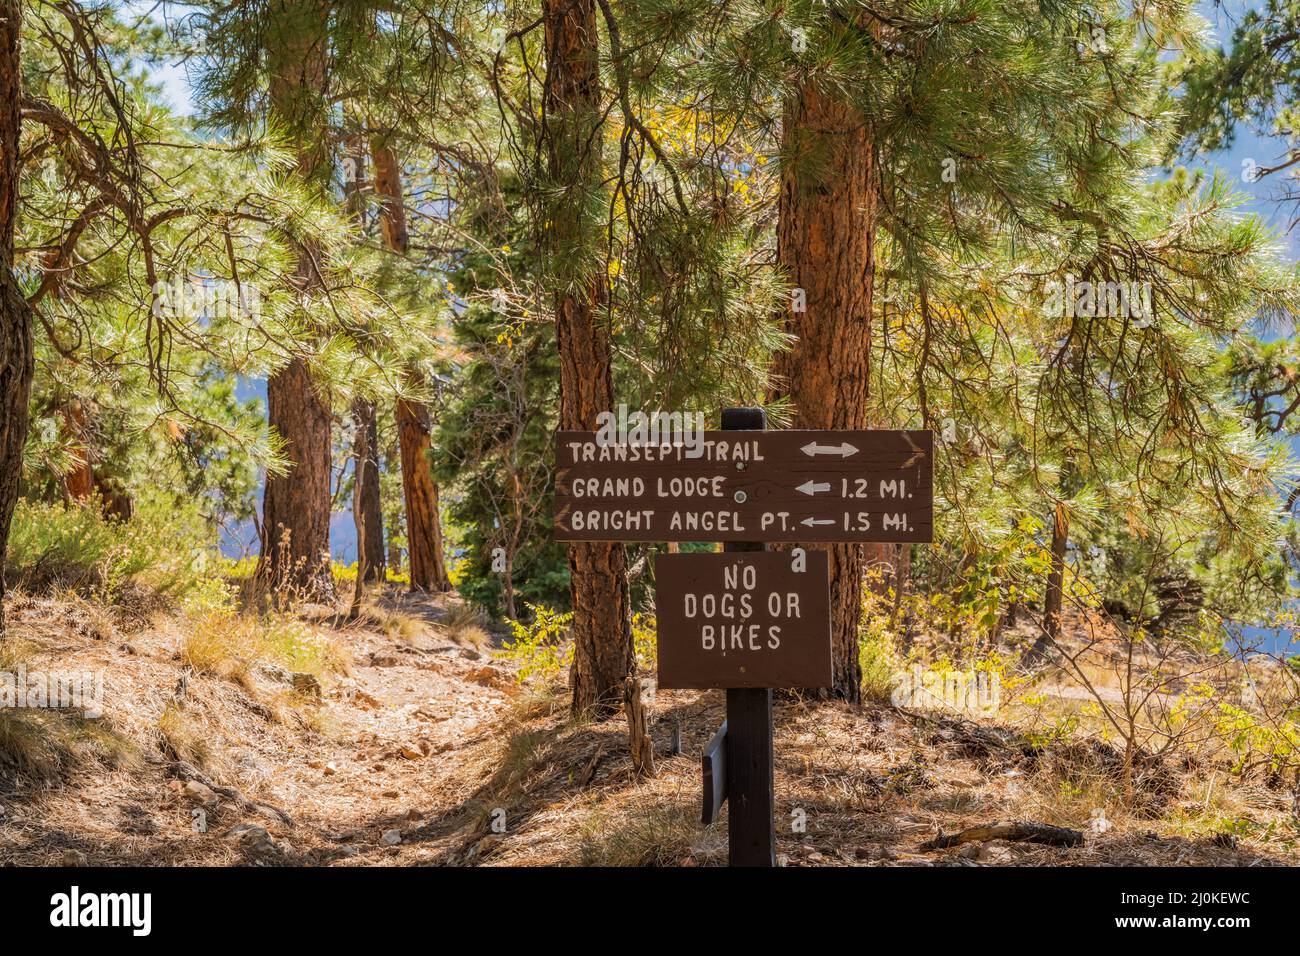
[411, 703]
[372, 757]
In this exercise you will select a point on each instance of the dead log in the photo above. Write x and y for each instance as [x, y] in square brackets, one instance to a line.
[1024, 830]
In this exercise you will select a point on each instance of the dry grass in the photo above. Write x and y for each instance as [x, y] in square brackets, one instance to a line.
[653, 835]
[405, 628]
[231, 645]
[186, 736]
[390, 622]
[465, 625]
[46, 745]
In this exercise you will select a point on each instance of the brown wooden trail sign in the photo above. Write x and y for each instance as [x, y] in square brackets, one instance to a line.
[746, 486]
[743, 619]
[750, 486]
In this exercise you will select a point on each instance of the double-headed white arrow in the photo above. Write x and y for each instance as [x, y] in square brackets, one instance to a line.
[844, 449]
[811, 522]
[811, 487]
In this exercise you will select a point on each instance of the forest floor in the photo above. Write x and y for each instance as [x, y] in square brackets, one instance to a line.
[424, 750]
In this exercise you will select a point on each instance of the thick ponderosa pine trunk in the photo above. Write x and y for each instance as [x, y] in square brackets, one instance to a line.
[296, 507]
[825, 239]
[602, 657]
[16, 355]
[366, 501]
[424, 555]
[428, 565]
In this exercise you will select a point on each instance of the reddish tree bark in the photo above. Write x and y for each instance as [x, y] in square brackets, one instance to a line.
[366, 504]
[825, 243]
[428, 567]
[16, 354]
[388, 186]
[79, 483]
[424, 545]
[115, 501]
[603, 657]
[296, 507]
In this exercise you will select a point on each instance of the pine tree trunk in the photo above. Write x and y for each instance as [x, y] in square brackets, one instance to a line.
[423, 530]
[388, 187]
[114, 498]
[1054, 599]
[825, 240]
[79, 482]
[364, 454]
[16, 353]
[366, 501]
[602, 631]
[428, 566]
[296, 507]
[394, 555]
[367, 510]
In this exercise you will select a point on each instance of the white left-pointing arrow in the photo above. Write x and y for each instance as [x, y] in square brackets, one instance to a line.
[810, 522]
[844, 449]
[811, 487]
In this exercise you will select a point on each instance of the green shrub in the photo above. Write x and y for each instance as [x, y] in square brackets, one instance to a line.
[541, 648]
[879, 663]
[645, 640]
[167, 550]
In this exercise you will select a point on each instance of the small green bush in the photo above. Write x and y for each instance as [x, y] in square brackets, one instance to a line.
[168, 550]
[542, 648]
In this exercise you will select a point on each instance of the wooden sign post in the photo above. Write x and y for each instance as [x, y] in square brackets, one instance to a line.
[749, 619]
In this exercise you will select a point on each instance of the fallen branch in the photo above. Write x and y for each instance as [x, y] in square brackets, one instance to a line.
[1024, 830]
[187, 771]
[589, 770]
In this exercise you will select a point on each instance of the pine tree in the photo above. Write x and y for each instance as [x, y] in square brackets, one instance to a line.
[496, 427]
[602, 631]
[16, 355]
[367, 508]
[424, 543]
[296, 506]
[826, 248]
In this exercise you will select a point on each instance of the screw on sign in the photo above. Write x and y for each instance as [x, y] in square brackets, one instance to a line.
[746, 620]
